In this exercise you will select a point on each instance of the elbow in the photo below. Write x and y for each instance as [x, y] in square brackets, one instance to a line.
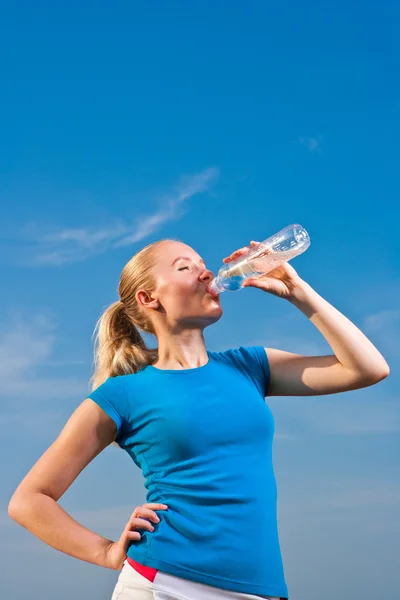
[383, 372]
[18, 508]
[370, 377]
[15, 509]
[377, 376]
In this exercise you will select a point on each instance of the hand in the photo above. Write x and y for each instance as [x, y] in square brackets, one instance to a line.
[282, 281]
[116, 551]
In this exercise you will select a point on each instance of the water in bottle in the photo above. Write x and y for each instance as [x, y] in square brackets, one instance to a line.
[263, 258]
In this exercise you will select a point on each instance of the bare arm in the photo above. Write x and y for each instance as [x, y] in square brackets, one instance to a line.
[34, 503]
[298, 375]
[356, 363]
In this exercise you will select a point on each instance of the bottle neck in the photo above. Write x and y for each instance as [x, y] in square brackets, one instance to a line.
[215, 285]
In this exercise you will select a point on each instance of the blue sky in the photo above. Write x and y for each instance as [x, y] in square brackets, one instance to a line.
[215, 123]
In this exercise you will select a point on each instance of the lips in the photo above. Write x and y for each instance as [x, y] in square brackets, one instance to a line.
[212, 293]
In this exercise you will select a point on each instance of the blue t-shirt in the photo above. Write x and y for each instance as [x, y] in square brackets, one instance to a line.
[203, 440]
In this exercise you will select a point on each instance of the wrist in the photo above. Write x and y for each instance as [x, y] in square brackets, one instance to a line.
[307, 300]
[102, 554]
[301, 293]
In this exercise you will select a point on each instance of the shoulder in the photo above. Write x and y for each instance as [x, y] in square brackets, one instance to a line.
[245, 355]
[112, 393]
[112, 398]
[251, 361]
[112, 385]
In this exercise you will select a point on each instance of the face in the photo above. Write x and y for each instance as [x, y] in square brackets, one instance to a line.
[181, 292]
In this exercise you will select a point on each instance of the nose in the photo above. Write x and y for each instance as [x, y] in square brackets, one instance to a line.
[207, 275]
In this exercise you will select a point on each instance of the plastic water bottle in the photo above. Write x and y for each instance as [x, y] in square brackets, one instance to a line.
[261, 259]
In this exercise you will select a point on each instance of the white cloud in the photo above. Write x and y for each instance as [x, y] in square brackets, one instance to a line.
[340, 492]
[357, 493]
[343, 414]
[26, 344]
[171, 208]
[312, 144]
[384, 327]
[64, 246]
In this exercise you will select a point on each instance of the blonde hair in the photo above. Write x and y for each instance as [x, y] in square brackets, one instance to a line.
[119, 347]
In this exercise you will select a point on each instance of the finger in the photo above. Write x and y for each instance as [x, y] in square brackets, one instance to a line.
[150, 505]
[132, 535]
[138, 523]
[245, 248]
[150, 514]
[251, 283]
[236, 254]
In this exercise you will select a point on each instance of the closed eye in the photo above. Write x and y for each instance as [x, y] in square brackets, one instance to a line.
[182, 268]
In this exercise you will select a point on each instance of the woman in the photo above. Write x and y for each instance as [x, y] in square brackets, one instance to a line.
[198, 426]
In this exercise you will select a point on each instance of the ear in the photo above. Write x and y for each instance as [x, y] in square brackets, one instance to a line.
[146, 300]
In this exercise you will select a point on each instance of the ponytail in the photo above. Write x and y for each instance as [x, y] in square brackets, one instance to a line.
[119, 347]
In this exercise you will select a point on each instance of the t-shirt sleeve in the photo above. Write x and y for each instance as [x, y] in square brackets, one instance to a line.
[254, 361]
[111, 397]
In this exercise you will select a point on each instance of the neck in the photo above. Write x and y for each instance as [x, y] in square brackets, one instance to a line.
[186, 350]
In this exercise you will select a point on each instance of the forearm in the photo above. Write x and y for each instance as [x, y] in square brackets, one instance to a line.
[47, 520]
[351, 347]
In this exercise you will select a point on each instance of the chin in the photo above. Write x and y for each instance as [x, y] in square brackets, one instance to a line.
[216, 315]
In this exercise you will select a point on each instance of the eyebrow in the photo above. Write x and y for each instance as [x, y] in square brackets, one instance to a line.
[186, 258]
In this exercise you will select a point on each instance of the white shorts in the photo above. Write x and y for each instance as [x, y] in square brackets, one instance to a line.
[132, 585]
